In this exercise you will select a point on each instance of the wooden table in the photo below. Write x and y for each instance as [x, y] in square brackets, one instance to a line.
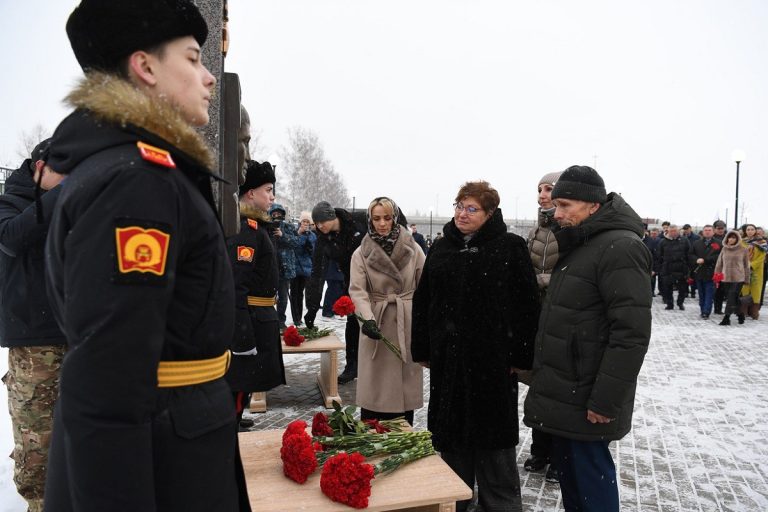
[427, 485]
[328, 348]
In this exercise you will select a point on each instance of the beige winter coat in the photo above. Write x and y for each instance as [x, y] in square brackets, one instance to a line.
[382, 289]
[733, 261]
[542, 247]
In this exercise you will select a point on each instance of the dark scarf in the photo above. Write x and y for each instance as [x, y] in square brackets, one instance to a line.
[387, 242]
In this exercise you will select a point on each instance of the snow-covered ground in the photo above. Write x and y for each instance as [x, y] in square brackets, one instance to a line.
[700, 433]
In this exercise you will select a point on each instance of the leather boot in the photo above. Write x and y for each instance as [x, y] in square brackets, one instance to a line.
[349, 374]
[726, 320]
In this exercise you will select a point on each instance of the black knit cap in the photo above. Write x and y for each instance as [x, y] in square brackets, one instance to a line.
[256, 174]
[41, 151]
[581, 183]
[322, 212]
[103, 32]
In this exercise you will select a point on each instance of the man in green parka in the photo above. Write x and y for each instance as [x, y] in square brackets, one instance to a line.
[593, 335]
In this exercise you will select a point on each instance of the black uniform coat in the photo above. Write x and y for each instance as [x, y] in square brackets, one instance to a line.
[120, 443]
[25, 313]
[257, 361]
[594, 327]
[474, 319]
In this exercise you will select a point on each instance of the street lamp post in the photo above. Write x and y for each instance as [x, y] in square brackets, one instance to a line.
[353, 204]
[430, 223]
[738, 157]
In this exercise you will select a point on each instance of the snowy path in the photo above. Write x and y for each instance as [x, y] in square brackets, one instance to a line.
[699, 440]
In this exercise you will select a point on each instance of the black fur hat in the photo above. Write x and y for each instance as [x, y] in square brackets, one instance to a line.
[256, 174]
[103, 32]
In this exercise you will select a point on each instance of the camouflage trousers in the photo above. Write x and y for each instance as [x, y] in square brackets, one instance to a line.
[33, 386]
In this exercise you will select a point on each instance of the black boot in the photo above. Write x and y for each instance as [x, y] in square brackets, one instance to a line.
[669, 306]
[352, 339]
[536, 463]
[741, 318]
[552, 475]
[348, 375]
[680, 306]
[726, 320]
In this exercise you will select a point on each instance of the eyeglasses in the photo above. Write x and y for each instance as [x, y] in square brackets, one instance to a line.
[471, 210]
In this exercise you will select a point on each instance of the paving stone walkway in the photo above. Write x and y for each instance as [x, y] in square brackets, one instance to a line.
[700, 432]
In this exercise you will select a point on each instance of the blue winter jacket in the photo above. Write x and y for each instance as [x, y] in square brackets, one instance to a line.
[303, 251]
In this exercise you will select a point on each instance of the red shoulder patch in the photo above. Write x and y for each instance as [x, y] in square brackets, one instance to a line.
[253, 224]
[141, 250]
[245, 253]
[156, 155]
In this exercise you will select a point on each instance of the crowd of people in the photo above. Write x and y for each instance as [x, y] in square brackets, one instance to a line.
[156, 328]
[727, 270]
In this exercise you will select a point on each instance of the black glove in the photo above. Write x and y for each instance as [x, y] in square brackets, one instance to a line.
[369, 329]
[309, 319]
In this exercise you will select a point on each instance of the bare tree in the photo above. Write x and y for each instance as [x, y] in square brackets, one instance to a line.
[29, 139]
[306, 175]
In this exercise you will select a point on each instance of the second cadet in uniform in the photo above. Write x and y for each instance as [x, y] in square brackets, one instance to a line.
[257, 360]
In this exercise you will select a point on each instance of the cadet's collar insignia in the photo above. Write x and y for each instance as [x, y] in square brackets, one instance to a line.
[141, 250]
[253, 224]
[245, 253]
[156, 155]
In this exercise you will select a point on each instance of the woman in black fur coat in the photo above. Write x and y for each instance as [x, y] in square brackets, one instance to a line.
[475, 314]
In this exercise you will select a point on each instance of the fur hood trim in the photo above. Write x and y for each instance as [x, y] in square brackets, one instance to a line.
[257, 214]
[115, 100]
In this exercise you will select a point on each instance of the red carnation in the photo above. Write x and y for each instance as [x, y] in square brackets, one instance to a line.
[346, 478]
[292, 338]
[298, 457]
[378, 427]
[320, 426]
[690, 280]
[344, 306]
[715, 246]
[295, 427]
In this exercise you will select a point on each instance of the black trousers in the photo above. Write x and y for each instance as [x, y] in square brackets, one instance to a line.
[352, 339]
[666, 285]
[298, 284]
[541, 444]
[719, 298]
[653, 284]
[498, 484]
[731, 292]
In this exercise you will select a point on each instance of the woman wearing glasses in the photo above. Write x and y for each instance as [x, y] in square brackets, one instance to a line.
[475, 314]
[384, 272]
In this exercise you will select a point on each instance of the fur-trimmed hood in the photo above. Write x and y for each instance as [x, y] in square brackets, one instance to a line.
[257, 214]
[110, 111]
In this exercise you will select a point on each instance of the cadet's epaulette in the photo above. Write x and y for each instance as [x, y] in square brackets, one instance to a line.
[156, 155]
[253, 224]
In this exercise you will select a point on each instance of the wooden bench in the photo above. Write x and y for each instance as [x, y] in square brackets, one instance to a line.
[328, 348]
[427, 485]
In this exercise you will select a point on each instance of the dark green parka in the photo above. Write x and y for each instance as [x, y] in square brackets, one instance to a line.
[594, 327]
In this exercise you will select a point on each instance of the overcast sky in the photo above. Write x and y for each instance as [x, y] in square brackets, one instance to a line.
[412, 98]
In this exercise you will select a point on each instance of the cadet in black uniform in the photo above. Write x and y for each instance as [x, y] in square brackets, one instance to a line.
[257, 360]
[138, 274]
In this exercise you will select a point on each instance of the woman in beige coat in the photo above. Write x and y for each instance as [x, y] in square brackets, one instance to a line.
[385, 271]
[733, 264]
